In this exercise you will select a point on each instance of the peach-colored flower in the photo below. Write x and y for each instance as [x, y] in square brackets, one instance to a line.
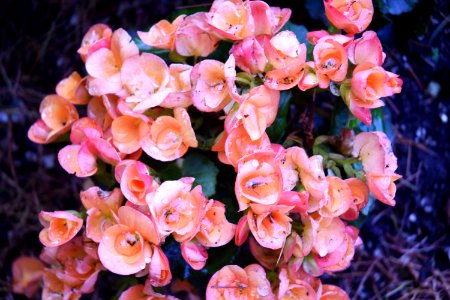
[268, 20]
[170, 137]
[139, 292]
[366, 49]
[104, 65]
[257, 111]
[215, 230]
[360, 198]
[231, 19]
[338, 259]
[370, 82]
[135, 180]
[73, 88]
[351, 16]
[298, 200]
[233, 282]
[294, 289]
[97, 110]
[266, 257]
[210, 89]
[57, 115]
[55, 288]
[159, 270]
[383, 187]
[284, 49]
[194, 253]
[259, 180]
[124, 248]
[193, 37]
[314, 36]
[270, 228]
[329, 236]
[180, 83]
[27, 272]
[219, 147]
[102, 209]
[178, 210]
[128, 132]
[331, 62]
[59, 227]
[238, 144]
[249, 54]
[332, 292]
[98, 36]
[145, 77]
[309, 78]
[339, 200]
[242, 231]
[162, 34]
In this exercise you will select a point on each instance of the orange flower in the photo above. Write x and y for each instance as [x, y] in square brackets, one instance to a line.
[162, 34]
[270, 228]
[27, 273]
[258, 180]
[193, 36]
[128, 132]
[339, 200]
[238, 144]
[249, 54]
[332, 292]
[351, 16]
[59, 227]
[159, 270]
[73, 88]
[366, 49]
[104, 65]
[180, 83]
[360, 198]
[135, 180]
[139, 292]
[194, 253]
[294, 289]
[215, 230]
[331, 62]
[57, 116]
[329, 236]
[233, 282]
[256, 112]
[370, 83]
[98, 36]
[170, 137]
[177, 209]
[102, 207]
[210, 88]
[145, 77]
[97, 110]
[124, 248]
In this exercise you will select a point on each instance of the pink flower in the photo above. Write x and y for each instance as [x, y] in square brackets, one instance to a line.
[102, 207]
[73, 88]
[210, 90]
[104, 65]
[331, 62]
[180, 84]
[193, 36]
[170, 137]
[233, 282]
[215, 230]
[194, 253]
[258, 180]
[266, 257]
[98, 36]
[332, 292]
[145, 77]
[128, 132]
[351, 16]
[59, 227]
[124, 248]
[290, 288]
[176, 209]
[366, 49]
[159, 269]
[270, 228]
[249, 54]
[57, 116]
[135, 180]
[162, 34]
[360, 198]
[27, 272]
[339, 200]
[329, 236]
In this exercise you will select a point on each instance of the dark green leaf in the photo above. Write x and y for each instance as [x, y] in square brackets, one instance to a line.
[203, 170]
[170, 171]
[396, 7]
[277, 131]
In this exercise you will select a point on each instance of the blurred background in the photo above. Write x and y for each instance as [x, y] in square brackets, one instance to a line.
[406, 248]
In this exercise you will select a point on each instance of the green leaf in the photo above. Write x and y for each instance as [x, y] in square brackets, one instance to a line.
[203, 170]
[299, 30]
[396, 7]
[170, 171]
[277, 130]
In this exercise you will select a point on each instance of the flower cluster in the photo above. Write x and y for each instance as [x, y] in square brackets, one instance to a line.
[293, 208]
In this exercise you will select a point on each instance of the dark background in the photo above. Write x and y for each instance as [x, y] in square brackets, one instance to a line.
[406, 250]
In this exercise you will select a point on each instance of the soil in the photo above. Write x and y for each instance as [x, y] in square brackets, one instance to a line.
[406, 248]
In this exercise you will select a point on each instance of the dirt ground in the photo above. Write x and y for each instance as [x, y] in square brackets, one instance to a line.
[406, 248]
